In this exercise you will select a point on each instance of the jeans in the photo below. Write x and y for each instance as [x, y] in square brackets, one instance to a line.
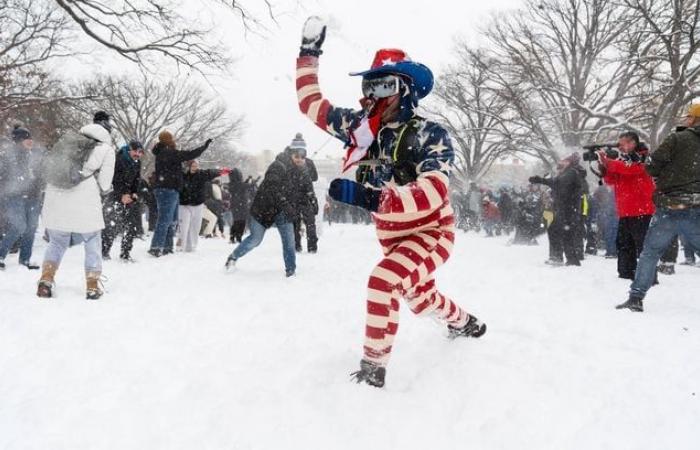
[59, 241]
[257, 232]
[168, 201]
[688, 250]
[22, 216]
[608, 225]
[665, 225]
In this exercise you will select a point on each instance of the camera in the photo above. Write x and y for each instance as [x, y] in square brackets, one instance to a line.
[591, 153]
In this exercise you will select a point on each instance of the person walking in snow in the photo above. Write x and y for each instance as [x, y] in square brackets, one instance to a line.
[239, 205]
[675, 167]
[121, 207]
[192, 197]
[274, 205]
[168, 182]
[21, 187]
[403, 176]
[73, 215]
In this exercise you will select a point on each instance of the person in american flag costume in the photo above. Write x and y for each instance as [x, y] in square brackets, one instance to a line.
[403, 166]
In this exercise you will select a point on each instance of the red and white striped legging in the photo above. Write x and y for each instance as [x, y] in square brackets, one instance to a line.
[407, 271]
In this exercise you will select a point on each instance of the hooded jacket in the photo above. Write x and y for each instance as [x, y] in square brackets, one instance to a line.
[79, 209]
[567, 190]
[194, 186]
[276, 192]
[675, 166]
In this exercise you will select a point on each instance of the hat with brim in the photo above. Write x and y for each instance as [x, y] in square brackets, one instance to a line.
[394, 61]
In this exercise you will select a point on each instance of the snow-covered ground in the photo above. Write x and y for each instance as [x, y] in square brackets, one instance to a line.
[179, 355]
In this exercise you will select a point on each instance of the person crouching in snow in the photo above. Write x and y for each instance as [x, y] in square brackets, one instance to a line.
[274, 205]
[403, 175]
[73, 215]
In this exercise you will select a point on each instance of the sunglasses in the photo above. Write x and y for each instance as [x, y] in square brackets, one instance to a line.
[381, 87]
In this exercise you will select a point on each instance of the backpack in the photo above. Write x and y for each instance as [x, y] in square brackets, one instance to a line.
[63, 165]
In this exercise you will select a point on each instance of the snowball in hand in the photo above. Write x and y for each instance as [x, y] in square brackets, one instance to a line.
[313, 28]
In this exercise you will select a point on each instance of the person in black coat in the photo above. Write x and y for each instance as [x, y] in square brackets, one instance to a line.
[192, 198]
[169, 179]
[21, 187]
[122, 210]
[305, 200]
[274, 205]
[238, 190]
[567, 191]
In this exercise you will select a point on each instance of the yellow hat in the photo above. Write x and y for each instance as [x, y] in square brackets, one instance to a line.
[694, 110]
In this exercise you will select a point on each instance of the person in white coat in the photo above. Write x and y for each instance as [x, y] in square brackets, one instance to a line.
[73, 216]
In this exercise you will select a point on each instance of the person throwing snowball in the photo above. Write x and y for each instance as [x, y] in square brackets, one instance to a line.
[403, 164]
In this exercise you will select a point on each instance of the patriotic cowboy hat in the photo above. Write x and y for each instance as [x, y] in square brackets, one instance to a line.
[397, 62]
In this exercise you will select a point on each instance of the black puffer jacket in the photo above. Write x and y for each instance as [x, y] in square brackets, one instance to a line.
[675, 166]
[194, 186]
[567, 192]
[239, 195]
[127, 175]
[276, 192]
[169, 161]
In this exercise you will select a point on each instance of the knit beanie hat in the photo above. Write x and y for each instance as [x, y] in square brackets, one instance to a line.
[20, 134]
[298, 145]
[166, 137]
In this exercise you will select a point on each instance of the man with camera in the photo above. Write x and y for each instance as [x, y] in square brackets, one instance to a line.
[675, 166]
[633, 188]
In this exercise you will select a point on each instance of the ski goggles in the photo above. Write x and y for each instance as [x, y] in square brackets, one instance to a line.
[381, 87]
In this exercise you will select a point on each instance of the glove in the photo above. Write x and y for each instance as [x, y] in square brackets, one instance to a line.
[312, 37]
[224, 171]
[352, 193]
[208, 142]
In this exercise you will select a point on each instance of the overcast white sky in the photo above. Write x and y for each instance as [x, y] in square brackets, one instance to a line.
[261, 83]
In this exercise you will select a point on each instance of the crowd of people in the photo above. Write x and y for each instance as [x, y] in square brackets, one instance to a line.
[88, 192]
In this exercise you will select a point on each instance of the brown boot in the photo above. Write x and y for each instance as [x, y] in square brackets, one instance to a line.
[46, 283]
[94, 291]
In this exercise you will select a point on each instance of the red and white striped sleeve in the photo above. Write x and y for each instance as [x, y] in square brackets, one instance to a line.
[428, 193]
[331, 119]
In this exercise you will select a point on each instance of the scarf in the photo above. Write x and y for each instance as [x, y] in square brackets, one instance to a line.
[363, 135]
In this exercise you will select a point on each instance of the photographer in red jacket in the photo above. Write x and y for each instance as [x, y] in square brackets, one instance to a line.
[633, 188]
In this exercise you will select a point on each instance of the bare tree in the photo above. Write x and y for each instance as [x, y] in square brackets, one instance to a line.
[475, 116]
[143, 107]
[32, 33]
[139, 30]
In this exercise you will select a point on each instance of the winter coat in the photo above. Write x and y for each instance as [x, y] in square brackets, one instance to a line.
[79, 209]
[21, 172]
[214, 198]
[239, 195]
[275, 194]
[490, 211]
[194, 186]
[169, 161]
[567, 191]
[127, 175]
[633, 188]
[675, 166]
[304, 195]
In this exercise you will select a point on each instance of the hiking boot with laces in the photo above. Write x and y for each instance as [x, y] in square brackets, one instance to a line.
[94, 286]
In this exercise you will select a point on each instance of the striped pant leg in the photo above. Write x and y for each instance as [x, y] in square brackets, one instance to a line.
[406, 268]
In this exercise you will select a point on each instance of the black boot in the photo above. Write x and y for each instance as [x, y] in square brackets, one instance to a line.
[369, 373]
[473, 328]
[633, 304]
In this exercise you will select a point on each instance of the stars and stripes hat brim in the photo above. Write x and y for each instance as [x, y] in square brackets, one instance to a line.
[396, 62]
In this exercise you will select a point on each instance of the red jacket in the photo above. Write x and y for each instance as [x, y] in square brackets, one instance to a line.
[633, 188]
